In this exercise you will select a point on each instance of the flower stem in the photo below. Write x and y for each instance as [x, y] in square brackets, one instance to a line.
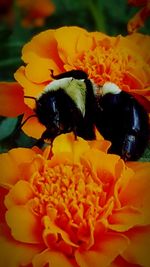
[98, 15]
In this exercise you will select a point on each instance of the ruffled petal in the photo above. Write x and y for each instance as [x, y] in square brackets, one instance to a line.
[43, 73]
[44, 45]
[11, 99]
[13, 253]
[136, 191]
[51, 229]
[79, 38]
[103, 164]
[125, 218]
[9, 165]
[120, 262]
[67, 143]
[52, 258]
[138, 250]
[108, 248]
[25, 226]
[30, 88]
[20, 193]
[32, 127]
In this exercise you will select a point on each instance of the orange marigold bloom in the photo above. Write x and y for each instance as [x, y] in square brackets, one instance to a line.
[139, 18]
[73, 206]
[34, 12]
[116, 59]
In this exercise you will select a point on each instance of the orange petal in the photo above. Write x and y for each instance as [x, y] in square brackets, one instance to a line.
[13, 253]
[42, 73]
[108, 248]
[102, 145]
[67, 143]
[52, 258]
[9, 163]
[24, 224]
[104, 164]
[132, 81]
[43, 45]
[20, 193]
[125, 218]
[120, 262]
[138, 250]
[30, 88]
[51, 228]
[80, 41]
[137, 190]
[32, 127]
[11, 99]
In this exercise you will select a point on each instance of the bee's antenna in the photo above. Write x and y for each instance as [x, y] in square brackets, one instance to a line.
[17, 130]
[31, 116]
[31, 97]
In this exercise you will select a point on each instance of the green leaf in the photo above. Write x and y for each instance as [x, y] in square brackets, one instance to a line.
[7, 126]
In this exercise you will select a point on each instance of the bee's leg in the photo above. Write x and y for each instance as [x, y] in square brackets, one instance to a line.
[128, 147]
[40, 142]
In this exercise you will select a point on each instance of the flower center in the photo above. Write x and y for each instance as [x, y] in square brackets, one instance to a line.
[72, 198]
[70, 189]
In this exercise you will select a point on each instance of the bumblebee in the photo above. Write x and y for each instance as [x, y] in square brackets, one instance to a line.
[73, 102]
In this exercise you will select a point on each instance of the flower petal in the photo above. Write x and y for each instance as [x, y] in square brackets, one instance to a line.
[104, 164]
[30, 88]
[125, 218]
[108, 248]
[43, 73]
[32, 127]
[80, 41]
[25, 226]
[43, 45]
[9, 163]
[13, 253]
[138, 250]
[11, 99]
[67, 143]
[20, 193]
[138, 189]
[51, 228]
[53, 258]
[120, 262]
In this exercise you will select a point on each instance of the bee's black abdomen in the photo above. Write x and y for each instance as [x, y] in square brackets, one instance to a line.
[123, 121]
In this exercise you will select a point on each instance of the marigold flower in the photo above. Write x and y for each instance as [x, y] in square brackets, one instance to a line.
[73, 205]
[116, 59]
[140, 17]
[34, 12]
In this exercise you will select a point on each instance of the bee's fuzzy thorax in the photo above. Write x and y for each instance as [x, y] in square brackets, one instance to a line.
[75, 89]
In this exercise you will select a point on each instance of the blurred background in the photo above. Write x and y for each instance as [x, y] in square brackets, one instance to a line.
[22, 19]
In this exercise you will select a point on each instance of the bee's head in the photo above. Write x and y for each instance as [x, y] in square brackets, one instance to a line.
[58, 112]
